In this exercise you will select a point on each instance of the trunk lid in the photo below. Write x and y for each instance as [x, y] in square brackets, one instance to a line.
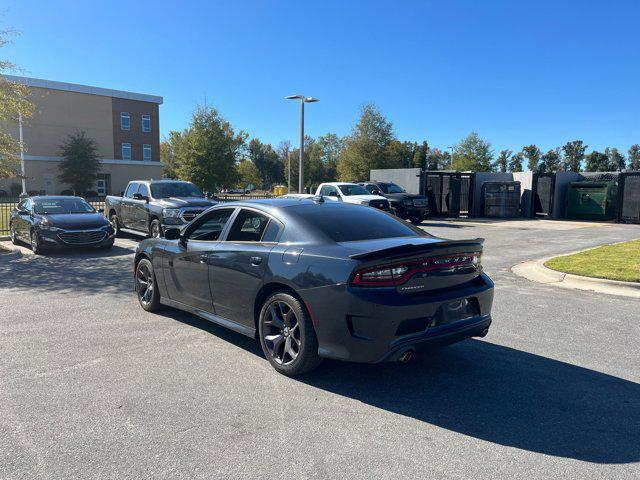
[417, 265]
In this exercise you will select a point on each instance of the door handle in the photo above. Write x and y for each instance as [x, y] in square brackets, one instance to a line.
[255, 261]
[204, 258]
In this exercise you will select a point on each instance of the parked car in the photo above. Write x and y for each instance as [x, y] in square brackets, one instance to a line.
[150, 206]
[414, 208]
[56, 221]
[239, 191]
[316, 279]
[351, 193]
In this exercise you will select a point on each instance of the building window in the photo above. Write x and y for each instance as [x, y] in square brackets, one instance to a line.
[126, 151]
[125, 121]
[146, 152]
[146, 123]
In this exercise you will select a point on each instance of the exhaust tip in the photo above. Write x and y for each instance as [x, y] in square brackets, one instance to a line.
[406, 356]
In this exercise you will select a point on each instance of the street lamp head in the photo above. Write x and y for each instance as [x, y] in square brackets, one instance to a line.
[311, 100]
[295, 97]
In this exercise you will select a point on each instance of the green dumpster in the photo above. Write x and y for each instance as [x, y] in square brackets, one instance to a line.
[591, 200]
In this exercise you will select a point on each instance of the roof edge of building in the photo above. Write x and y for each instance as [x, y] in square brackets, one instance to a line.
[73, 87]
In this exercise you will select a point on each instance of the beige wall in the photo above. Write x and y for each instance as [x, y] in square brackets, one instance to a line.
[42, 175]
[59, 114]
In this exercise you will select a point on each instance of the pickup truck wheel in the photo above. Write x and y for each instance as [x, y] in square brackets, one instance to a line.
[115, 224]
[155, 229]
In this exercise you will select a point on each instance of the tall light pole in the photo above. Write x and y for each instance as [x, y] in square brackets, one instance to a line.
[289, 170]
[303, 100]
[24, 179]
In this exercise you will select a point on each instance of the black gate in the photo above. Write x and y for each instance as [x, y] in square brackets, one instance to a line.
[542, 202]
[450, 193]
[629, 197]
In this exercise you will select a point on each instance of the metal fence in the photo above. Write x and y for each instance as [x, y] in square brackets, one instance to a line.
[8, 204]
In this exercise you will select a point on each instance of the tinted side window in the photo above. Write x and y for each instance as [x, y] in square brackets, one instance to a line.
[371, 188]
[272, 232]
[248, 227]
[143, 190]
[131, 189]
[211, 226]
[347, 224]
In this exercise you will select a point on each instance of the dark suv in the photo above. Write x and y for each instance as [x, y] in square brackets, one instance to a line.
[406, 205]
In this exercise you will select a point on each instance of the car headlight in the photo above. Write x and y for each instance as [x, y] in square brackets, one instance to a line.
[45, 225]
[171, 212]
[407, 201]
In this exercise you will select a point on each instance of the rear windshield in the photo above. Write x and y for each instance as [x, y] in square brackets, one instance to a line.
[391, 188]
[62, 205]
[350, 189]
[349, 224]
[178, 189]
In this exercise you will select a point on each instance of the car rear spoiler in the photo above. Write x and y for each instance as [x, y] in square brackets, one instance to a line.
[411, 248]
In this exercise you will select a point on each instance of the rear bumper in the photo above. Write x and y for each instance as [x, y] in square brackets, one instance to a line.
[370, 325]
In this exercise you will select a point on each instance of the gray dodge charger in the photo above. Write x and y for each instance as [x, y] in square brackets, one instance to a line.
[313, 279]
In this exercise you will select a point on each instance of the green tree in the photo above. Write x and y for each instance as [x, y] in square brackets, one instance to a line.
[331, 146]
[551, 161]
[247, 174]
[268, 162]
[420, 156]
[515, 163]
[401, 154]
[366, 148]
[14, 99]
[472, 154]
[438, 160]
[617, 162]
[598, 162]
[80, 163]
[634, 157]
[207, 151]
[574, 155]
[532, 154]
[168, 154]
[502, 162]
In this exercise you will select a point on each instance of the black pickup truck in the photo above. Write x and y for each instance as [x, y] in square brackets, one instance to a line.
[150, 206]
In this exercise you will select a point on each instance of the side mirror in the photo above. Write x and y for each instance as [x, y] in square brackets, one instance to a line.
[376, 192]
[101, 210]
[172, 234]
[139, 196]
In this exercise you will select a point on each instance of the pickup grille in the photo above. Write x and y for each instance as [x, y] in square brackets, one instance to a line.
[420, 202]
[189, 215]
[381, 204]
[82, 238]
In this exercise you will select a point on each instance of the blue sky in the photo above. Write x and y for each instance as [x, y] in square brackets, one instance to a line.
[516, 72]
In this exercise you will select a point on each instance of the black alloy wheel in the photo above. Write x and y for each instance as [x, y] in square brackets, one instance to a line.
[287, 336]
[115, 224]
[146, 287]
[155, 229]
[36, 244]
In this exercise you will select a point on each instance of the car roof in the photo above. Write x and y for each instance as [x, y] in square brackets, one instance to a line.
[336, 184]
[161, 180]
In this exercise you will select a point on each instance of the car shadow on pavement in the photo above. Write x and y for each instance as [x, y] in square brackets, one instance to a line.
[502, 395]
[445, 225]
[85, 271]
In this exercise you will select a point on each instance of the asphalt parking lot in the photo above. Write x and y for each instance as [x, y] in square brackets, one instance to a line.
[93, 387]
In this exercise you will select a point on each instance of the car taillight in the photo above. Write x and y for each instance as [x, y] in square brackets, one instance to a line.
[399, 273]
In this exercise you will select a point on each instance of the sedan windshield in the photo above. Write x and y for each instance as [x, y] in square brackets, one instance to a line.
[62, 206]
[391, 188]
[352, 189]
[177, 189]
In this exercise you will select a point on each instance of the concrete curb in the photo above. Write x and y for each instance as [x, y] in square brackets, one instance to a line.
[13, 254]
[535, 271]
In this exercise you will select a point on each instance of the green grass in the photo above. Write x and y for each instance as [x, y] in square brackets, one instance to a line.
[615, 262]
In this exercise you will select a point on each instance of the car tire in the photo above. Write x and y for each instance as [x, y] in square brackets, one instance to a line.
[146, 286]
[12, 234]
[287, 336]
[107, 246]
[155, 229]
[115, 224]
[36, 244]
